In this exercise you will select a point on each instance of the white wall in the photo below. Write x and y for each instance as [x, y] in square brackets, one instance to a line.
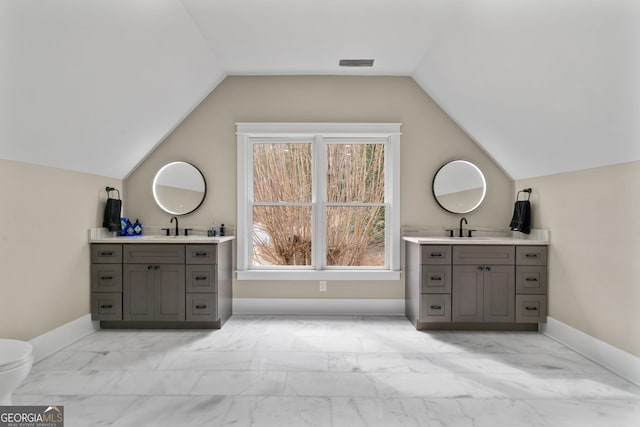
[429, 139]
[594, 257]
[44, 251]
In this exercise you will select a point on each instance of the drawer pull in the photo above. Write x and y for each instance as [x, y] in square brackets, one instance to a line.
[106, 278]
[436, 307]
[531, 308]
[201, 254]
[436, 255]
[531, 279]
[106, 253]
[201, 277]
[106, 306]
[436, 278]
[201, 306]
[531, 255]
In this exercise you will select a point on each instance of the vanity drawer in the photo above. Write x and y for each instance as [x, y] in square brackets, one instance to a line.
[143, 253]
[201, 278]
[106, 277]
[435, 308]
[531, 255]
[201, 307]
[436, 279]
[201, 254]
[106, 253]
[106, 306]
[436, 254]
[484, 254]
[531, 279]
[531, 308]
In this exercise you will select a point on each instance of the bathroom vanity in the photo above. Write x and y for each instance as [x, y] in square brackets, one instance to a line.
[482, 283]
[161, 282]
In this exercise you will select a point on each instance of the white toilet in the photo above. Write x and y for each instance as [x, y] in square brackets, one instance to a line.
[16, 358]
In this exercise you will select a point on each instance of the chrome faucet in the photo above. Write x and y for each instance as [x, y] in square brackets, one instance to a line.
[178, 229]
[465, 221]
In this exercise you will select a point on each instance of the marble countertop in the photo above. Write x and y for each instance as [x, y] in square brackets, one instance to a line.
[475, 241]
[484, 236]
[161, 239]
[100, 235]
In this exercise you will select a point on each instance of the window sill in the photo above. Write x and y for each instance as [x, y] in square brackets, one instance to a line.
[317, 275]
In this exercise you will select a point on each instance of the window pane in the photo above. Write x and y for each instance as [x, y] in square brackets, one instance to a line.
[282, 172]
[355, 236]
[281, 235]
[355, 173]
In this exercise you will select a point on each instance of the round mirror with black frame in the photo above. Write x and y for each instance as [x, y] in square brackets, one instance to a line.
[179, 188]
[459, 186]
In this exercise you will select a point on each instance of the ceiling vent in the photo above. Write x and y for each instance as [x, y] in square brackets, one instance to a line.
[356, 62]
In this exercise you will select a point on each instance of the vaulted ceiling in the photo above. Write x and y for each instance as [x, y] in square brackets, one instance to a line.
[544, 86]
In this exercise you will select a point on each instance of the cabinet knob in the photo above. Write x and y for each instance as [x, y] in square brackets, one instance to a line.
[480, 268]
[149, 267]
[157, 267]
[488, 268]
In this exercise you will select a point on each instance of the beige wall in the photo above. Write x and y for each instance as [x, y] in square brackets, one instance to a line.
[429, 138]
[44, 250]
[594, 258]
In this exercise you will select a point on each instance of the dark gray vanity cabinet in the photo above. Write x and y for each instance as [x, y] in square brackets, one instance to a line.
[154, 282]
[531, 284]
[162, 285]
[475, 286]
[106, 282]
[483, 283]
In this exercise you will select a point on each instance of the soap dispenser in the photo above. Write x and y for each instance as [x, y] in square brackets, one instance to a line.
[129, 230]
[137, 228]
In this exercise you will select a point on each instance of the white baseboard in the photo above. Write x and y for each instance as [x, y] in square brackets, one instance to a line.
[62, 336]
[616, 360]
[380, 307]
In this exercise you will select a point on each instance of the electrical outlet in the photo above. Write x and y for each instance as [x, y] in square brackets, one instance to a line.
[323, 286]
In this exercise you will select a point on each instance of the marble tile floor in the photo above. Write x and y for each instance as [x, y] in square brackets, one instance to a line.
[327, 371]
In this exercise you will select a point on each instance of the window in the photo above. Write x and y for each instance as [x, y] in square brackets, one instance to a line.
[318, 201]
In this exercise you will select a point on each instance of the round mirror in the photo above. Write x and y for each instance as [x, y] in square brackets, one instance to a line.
[179, 188]
[459, 186]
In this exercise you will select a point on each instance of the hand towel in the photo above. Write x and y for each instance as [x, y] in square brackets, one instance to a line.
[521, 220]
[112, 215]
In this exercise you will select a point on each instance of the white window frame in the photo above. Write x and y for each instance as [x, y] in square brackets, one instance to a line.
[321, 134]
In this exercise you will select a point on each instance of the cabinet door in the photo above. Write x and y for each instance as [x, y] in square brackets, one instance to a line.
[484, 255]
[106, 306]
[467, 293]
[436, 279]
[168, 291]
[435, 308]
[137, 292]
[499, 293]
[201, 279]
[201, 307]
[531, 279]
[106, 277]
